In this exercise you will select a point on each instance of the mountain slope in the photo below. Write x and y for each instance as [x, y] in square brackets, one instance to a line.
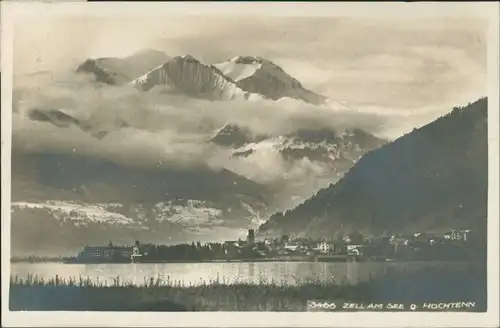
[241, 77]
[64, 120]
[324, 145]
[186, 75]
[92, 200]
[110, 182]
[233, 136]
[261, 76]
[435, 177]
[303, 161]
[118, 71]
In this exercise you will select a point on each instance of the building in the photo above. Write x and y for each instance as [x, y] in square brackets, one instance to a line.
[251, 237]
[465, 234]
[136, 253]
[232, 248]
[107, 253]
[461, 235]
[261, 248]
[233, 244]
[354, 250]
[311, 252]
[325, 247]
[291, 246]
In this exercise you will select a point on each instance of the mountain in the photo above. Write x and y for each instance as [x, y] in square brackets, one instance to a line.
[187, 75]
[325, 145]
[61, 119]
[63, 201]
[112, 182]
[311, 159]
[91, 200]
[241, 77]
[261, 76]
[119, 71]
[234, 136]
[433, 178]
[77, 200]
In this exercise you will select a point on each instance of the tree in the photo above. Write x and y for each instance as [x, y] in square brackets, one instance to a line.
[356, 237]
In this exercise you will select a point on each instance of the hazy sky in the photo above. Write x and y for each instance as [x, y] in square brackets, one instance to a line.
[395, 64]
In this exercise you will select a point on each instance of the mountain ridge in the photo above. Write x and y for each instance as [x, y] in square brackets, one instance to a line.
[93, 200]
[119, 71]
[49, 184]
[264, 77]
[427, 179]
[189, 76]
[241, 77]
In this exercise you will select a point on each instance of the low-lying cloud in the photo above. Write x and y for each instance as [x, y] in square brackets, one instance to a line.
[157, 128]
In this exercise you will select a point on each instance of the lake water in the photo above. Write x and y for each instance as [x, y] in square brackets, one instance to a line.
[228, 272]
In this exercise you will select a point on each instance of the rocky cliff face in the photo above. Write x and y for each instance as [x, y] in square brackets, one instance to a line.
[324, 145]
[242, 77]
[186, 75]
[261, 76]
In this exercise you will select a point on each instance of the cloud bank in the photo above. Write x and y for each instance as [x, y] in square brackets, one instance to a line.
[396, 75]
[157, 128]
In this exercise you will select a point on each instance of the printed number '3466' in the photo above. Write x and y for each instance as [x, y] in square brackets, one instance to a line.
[321, 305]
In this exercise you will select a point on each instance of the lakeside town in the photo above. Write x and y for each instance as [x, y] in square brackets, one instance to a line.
[453, 245]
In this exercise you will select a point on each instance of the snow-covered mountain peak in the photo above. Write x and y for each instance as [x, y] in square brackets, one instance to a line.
[240, 77]
[187, 75]
[242, 67]
[237, 70]
[258, 75]
[319, 144]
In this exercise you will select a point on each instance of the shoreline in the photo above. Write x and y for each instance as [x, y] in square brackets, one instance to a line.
[339, 259]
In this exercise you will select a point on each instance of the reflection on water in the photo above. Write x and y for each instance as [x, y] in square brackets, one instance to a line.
[230, 272]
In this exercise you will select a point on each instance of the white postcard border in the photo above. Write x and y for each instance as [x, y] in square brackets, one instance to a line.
[12, 11]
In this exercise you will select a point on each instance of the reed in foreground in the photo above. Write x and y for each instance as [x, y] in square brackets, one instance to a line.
[427, 284]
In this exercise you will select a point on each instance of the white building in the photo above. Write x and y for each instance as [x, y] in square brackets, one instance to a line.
[325, 247]
[354, 249]
[291, 247]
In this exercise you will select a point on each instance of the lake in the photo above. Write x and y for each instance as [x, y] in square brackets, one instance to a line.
[227, 272]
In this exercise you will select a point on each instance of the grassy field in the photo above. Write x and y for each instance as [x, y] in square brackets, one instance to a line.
[429, 284]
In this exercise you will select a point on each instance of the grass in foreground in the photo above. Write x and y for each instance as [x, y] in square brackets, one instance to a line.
[429, 284]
